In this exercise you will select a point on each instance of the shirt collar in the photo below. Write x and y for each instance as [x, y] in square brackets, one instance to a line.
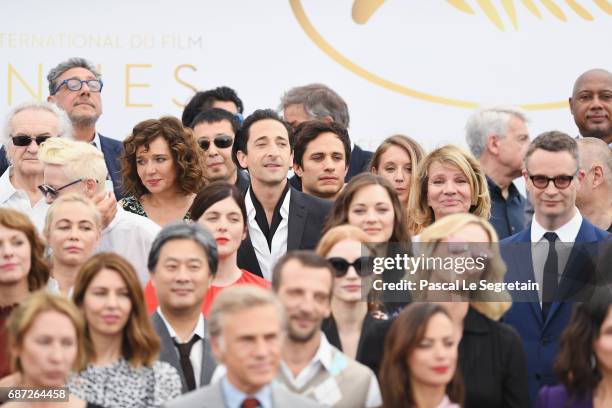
[96, 140]
[234, 397]
[250, 207]
[494, 188]
[324, 354]
[567, 232]
[199, 328]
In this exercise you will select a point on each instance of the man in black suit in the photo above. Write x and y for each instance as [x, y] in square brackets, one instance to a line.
[317, 101]
[280, 218]
[182, 262]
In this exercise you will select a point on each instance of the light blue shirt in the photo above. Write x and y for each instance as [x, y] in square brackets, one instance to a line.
[234, 397]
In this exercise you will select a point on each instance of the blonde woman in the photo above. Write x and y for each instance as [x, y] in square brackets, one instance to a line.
[491, 354]
[450, 181]
[72, 229]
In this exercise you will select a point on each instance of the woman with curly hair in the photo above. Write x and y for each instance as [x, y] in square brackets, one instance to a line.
[161, 170]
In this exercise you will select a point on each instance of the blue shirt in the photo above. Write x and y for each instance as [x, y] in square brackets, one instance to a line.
[507, 216]
[234, 397]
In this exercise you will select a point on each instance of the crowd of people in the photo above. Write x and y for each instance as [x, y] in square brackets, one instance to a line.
[228, 260]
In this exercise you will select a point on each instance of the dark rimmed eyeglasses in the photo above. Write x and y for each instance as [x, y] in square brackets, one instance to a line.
[24, 140]
[51, 192]
[75, 84]
[221, 141]
[362, 265]
[561, 182]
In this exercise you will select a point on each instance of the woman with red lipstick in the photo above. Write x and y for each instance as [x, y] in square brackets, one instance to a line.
[72, 229]
[220, 208]
[46, 335]
[450, 181]
[22, 269]
[161, 170]
[121, 344]
[419, 366]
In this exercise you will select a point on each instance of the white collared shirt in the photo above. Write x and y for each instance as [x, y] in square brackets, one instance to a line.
[18, 200]
[197, 350]
[265, 257]
[567, 234]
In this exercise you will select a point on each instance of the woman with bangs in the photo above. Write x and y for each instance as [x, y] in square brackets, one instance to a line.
[22, 269]
[161, 170]
[491, 354]
[121, 344]
[450, 181]
[46, 335]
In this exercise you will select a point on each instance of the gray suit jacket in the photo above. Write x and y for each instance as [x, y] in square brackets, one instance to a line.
[211, 396]
[169, 354]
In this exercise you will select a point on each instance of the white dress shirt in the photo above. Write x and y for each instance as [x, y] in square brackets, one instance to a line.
[265, 257]
[197, 349]
[18, 200]
[567, 234]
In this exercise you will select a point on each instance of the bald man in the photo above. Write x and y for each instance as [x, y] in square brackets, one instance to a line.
[594, 197]
[591, 104]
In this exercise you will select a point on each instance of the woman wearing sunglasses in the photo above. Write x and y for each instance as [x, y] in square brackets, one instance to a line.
[352, 318]
[161, 170]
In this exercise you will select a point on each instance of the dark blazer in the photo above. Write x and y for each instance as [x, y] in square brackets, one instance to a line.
[541, 338]
[555, 397]
[4, 163]
[169, 354]
[242, 181]
[112, 150]
[307, 215]
[493, 364]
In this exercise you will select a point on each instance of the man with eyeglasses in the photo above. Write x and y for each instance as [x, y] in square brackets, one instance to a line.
[27, 127]
[215, 130]
[76, 86]
[557, 252]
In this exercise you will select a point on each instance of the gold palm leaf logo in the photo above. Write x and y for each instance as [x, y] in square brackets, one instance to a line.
[364, 9]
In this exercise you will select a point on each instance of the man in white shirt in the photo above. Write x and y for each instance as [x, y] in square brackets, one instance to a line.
[310, 365]
[28, 126]
[78, 167]
[183, 261]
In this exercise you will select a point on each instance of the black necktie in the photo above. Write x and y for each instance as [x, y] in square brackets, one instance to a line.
[250, 403]
[551, 270]
[184, 350]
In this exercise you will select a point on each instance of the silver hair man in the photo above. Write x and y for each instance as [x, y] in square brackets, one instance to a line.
[318, 102]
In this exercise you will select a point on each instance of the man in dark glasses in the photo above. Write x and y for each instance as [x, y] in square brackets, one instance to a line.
[215, 130]
[29, 125]
[75, 85]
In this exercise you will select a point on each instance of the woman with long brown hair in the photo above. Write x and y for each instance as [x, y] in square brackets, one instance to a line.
[419, 366]
[121, 344]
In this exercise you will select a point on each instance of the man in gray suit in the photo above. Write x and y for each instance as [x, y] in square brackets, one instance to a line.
[246, 326]
[182, 262]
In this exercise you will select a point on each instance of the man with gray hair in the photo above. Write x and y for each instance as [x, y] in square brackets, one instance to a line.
[498, 137]
[27, 127]
[246, 327]
[75, 85]
[594, 197]
[319, 102]
[77, 167]
[182, 262]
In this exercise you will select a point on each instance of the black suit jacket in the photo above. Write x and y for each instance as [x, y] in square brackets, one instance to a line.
[307, 215]
[4, 163]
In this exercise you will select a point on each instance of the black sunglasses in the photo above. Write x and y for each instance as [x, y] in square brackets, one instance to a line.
[23, 140]
[221, 141]
[560, 182]
[51, 192]
[362, 265]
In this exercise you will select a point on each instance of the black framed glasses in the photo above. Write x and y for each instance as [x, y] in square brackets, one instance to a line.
[362, 265]
[51, 192]
[561, 182]
[75, 84]
[25, 140]
[221, 141]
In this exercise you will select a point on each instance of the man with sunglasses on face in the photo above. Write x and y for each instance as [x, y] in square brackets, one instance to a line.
[557, 251]
[28, 126]
[214, 130]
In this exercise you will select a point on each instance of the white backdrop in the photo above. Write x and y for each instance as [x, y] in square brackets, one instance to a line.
[416, 67]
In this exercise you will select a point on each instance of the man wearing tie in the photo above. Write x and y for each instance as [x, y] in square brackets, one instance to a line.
[552, 251]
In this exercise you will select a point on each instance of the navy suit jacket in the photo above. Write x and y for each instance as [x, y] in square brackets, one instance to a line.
[112, 150]
[307, 215]
[541, 338]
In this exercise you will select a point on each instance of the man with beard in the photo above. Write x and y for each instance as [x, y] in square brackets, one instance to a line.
[311, 366]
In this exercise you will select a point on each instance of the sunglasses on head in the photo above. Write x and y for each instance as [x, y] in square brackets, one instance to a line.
[362, 265]
[221, 141]
[51, 192]
[24, 140]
